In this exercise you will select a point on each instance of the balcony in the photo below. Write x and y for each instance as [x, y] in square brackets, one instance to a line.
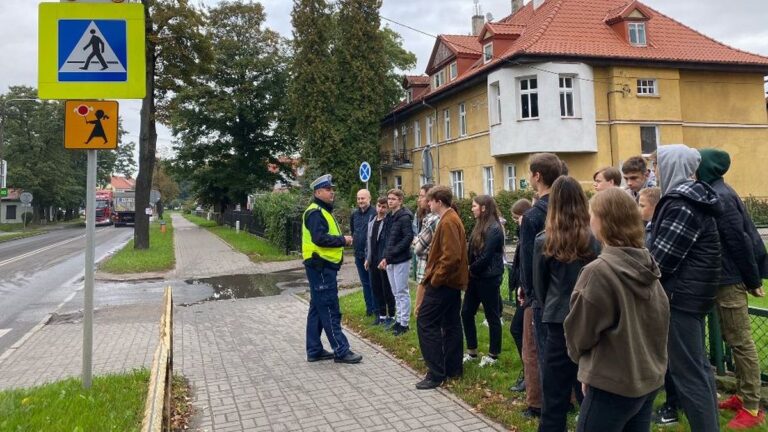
[396, 159]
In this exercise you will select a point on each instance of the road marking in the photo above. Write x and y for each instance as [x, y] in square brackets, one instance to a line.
[43, 249]
[4, 331]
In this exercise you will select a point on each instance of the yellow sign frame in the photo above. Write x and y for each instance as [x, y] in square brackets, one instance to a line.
[79, 127]
[49, 86]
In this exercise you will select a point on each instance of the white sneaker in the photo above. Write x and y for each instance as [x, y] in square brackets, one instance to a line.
[488, 361]
[485, 323]
[468, 358]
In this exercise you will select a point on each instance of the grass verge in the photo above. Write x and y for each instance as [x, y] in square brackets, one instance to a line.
[257, 248]
[485, 389]
[19, 235]
[113, 403]
[159, 257]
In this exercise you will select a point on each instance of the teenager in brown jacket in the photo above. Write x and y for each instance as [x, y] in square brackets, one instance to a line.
[446, 276]
[618, 324]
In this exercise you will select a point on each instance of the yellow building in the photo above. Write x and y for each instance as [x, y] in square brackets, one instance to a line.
[595, 81]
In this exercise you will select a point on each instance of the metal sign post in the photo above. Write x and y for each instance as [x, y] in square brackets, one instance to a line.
[90, 252]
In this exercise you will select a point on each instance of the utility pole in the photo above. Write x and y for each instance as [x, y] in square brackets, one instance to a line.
[3, 115]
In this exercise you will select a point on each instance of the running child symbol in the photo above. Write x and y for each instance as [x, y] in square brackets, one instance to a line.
[98, 128]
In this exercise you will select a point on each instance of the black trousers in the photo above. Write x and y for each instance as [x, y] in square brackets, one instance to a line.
[485, 291]
[385, 300]
[516, 328]
[439, 331]
[608, 412]
[558, 380]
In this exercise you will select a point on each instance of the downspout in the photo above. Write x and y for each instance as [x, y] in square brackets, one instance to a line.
[435, 129]
[625, 90]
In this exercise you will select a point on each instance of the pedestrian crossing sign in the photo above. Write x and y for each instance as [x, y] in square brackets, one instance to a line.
[91, 51]
[90, 125]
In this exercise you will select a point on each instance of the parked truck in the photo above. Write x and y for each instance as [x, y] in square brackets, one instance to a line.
[124, 208]
[103, 207]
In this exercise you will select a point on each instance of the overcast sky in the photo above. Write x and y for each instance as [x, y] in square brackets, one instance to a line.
[739, 23]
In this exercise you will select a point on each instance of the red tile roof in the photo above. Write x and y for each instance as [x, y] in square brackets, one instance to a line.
[504, 29]
[119, 182]
[578, 29]
[416, 80]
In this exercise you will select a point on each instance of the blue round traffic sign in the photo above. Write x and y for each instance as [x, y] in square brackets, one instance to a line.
[365, 171]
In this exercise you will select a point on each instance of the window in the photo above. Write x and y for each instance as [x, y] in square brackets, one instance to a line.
[637, 34]
[399, 182]
[462, 119]
[487, 52]
[447, 122]
[430, 126]
[394, 141]
[529, 98]
[457, 184]
[404, 137]
[438, 79]
[566, 96]
[649, 139]
[454, 71]
[647, 87]
[10, 213]
[488, 180]
[409, 96]
[495, 103]
[510, 177]
[416, 134]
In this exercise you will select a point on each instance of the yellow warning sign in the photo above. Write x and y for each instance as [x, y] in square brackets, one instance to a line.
[90, 125]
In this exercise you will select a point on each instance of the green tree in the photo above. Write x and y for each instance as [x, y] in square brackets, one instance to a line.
[228, 121]
[125, 163]
[163, 182]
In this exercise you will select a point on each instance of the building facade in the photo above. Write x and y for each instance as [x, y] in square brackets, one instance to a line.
[595, 81]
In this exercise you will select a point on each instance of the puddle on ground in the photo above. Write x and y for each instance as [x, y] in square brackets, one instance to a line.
[241, 286]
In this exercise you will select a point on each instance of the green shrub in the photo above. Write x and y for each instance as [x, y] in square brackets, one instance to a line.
[758, 210]
[275, 211]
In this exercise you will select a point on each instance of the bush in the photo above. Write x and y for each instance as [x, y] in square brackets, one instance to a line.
[758, 210]
[27, 217]
[275, 211]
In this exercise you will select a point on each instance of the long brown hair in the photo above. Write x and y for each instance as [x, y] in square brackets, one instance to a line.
[620, 223]
[422, 211]
[484, 221]
[568, 234]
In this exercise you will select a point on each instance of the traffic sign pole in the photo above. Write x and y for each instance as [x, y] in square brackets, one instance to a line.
[90, 252]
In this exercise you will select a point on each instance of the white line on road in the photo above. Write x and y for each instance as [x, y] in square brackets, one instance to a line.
[43, 249]
[3, 332]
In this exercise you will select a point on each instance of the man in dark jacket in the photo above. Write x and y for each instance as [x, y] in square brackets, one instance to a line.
[359, 228]
[397, 258]
[686, 246]
[740, 273]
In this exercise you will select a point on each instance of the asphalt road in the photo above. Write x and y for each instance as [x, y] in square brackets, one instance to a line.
[39, 274]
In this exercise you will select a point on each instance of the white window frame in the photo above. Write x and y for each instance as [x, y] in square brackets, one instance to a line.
[399, 182]
[488, 180]
[394, 141]
[438, 79]
[416, 134]
[404, 137]
[528, 93]
[647, 87]
[636, 34]
[457, 184]
[462, 119]
[510, 177]
[566, 83]
[447, 123]
[657, 137]
[453, 71]
[409, 96]
[495, 114]
[487, 52]
[430, 128]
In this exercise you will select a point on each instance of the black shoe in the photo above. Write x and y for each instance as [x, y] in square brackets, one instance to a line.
[325, 355]
[532, 412]
[428, 384]
[400, 329]
[350, 358]
[519, 386]
[665, 416]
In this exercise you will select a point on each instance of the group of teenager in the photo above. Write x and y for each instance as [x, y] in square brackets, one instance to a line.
[613, 290]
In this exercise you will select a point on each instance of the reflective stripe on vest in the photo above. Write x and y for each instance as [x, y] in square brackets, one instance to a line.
[330, 254]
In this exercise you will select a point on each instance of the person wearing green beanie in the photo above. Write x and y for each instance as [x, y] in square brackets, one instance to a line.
[740, 273]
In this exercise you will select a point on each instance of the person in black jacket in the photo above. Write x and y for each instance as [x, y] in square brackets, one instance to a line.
[686, 245]
[559, 253]
[515, 290]
[397, 258]
[486, 268]
[378, 228]
[740, 273]
[359, 228]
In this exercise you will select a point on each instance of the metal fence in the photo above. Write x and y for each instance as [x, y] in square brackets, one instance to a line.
[720, 354]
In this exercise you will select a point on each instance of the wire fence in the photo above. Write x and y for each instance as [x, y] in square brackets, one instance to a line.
[720, 354]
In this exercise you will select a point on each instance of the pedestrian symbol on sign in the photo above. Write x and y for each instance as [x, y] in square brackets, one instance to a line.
[92, 50]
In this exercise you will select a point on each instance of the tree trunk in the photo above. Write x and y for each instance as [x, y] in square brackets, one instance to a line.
[147, 141]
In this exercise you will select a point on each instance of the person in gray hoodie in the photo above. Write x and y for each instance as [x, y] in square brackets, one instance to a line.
[686, 245]
[617, 326]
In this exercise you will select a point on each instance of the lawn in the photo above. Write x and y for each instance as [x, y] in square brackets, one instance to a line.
[485, 389]
[114, 403]
[159, 257]
[257, 248]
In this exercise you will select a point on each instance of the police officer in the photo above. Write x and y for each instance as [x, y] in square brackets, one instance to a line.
[322, 246]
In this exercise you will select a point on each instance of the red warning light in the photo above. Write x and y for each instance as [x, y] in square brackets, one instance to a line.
[82, 110]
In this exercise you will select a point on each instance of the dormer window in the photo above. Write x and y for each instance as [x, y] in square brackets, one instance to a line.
[438, 79]
[409, 96]
[487, 52]
[636, 33]
[454, 71]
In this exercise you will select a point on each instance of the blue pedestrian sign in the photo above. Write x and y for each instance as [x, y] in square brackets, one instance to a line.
[365, 171]
[92, 50]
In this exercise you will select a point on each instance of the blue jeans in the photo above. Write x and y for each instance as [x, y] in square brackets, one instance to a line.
[324, 313]
[371, 307]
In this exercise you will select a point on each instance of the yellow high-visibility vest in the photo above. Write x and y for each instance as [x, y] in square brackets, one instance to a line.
[330, 254]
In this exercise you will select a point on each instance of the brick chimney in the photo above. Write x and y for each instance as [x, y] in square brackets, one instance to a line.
[477, 19]
[516, 6]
